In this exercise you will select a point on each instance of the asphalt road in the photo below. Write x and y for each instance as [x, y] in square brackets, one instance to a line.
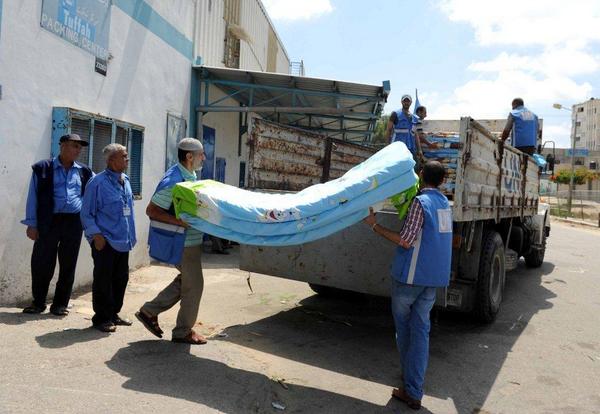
[282, 344]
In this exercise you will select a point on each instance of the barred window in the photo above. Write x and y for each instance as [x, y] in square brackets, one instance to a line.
[100, 131]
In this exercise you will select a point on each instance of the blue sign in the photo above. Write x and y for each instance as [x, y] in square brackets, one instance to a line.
[85, 23]
[579, 152]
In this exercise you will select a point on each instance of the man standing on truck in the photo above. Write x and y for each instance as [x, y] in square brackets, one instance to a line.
[420, 266]
[524, 125]
[401, 123]
[419, 132]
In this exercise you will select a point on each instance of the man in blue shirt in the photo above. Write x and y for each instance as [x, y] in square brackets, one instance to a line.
[108, 222]
[52, 219]
[187, 287]
[421, 265]
[524, 125]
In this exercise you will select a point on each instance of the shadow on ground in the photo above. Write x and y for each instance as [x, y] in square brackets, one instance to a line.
[20, 318]
[69, 336]
[356, 337]
[160, 367]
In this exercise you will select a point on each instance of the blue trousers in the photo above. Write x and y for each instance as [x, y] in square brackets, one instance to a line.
[410, 307]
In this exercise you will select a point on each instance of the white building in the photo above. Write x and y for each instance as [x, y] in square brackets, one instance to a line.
[586, 124]
[146, 73]
[48, 56]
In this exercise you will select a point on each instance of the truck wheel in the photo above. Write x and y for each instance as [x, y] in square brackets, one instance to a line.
[492, 273]
[535, 257]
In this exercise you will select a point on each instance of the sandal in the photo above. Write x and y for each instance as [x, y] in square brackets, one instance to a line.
[192, 338]
[150, 323]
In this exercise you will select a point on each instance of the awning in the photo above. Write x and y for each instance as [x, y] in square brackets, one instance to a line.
[338, 109]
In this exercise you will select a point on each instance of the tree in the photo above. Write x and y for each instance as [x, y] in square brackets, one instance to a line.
[582, 175]
[379, 134]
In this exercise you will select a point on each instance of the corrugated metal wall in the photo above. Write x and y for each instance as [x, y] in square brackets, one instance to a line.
[211, 32]
[272, 51]
[248, 15]
[254, 53]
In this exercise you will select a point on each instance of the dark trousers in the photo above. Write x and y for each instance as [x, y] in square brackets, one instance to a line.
[62, 240]
[111, 274]
[527, 150]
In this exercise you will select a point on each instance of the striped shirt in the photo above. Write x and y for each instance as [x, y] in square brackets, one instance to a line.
[413, 223]
[164, 199]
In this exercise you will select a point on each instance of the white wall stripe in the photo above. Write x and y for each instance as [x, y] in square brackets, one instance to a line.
[167, 226]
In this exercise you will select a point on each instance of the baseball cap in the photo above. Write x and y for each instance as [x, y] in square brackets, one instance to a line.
[190, 144]
[74, 138]
[404, 97]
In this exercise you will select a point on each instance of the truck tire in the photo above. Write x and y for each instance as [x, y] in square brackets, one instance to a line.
[535, 257]
[490, 283]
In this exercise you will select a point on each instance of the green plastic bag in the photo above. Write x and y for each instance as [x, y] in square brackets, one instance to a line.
[184, 196]
[403, 200]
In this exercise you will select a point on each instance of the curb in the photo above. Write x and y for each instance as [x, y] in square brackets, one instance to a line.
[579, 222]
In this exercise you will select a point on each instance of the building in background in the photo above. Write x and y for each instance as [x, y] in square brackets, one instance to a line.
[586, 125]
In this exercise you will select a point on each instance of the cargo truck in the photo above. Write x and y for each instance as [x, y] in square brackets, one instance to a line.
[493, 189]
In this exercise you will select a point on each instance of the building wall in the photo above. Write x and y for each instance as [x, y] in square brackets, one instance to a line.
[152, 49]
[586, 124]
[226, 127]
[38, 70]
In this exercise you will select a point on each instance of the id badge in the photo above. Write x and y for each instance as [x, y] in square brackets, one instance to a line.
[126, 211]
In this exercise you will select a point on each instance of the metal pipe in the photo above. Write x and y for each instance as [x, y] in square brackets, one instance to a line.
[286, 109]
[572, 178]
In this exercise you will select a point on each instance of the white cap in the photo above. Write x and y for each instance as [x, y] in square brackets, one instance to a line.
[190, 144]
[406, 97]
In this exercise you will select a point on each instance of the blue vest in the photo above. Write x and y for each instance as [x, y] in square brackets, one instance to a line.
[525, 127]
[427, 263]
[44, 172]
[403, 131]
[167, 241]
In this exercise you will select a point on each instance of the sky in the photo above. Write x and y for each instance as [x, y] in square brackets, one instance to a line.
[465, 57]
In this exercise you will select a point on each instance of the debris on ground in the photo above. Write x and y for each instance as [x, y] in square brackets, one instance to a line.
[249, 284]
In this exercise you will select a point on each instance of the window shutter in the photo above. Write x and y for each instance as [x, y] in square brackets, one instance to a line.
[121, 136]
[102, 133]
[81, 127]
[135, 161]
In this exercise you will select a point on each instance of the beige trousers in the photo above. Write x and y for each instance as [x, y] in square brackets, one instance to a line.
[186, 288]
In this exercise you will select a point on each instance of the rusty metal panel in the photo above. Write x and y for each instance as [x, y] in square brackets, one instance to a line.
[288, 158]
[345, 155]
[283, 158]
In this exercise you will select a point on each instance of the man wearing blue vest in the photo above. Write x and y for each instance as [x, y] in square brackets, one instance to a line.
[402, 127]
[109, 224]
[187, 287]
[52, 219]
[524, 125]
[420, 266]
